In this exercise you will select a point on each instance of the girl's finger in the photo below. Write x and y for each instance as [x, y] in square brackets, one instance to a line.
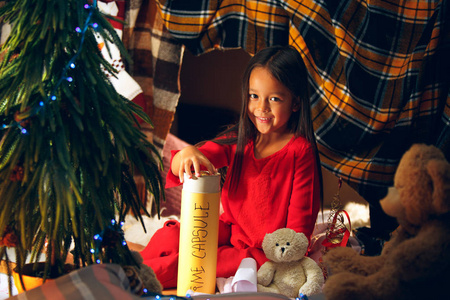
[181, 174]
[186, 169]
[197, 168]
[210, 167]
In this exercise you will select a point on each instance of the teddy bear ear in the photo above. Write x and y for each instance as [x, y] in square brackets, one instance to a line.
[266, 240]
[439, 172]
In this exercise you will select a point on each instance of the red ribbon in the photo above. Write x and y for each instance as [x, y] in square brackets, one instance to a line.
[333, 233]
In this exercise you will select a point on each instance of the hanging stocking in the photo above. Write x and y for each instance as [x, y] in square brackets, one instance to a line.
[124, 84]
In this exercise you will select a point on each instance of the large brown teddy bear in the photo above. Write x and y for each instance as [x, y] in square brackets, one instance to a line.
[415, 263]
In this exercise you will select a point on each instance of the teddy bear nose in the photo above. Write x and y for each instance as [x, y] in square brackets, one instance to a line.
[282, 249]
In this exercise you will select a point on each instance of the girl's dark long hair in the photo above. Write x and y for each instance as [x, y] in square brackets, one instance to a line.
[286, 65]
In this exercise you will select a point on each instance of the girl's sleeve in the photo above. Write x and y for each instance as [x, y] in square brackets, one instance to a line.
[219, 155]
[172, 180]
[305, 200]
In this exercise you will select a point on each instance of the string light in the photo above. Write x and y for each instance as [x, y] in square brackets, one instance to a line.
[117, 227]
[99, 237]
[156, 296]
[70, 65]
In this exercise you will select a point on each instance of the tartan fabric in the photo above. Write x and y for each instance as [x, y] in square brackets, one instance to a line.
[379, 71]
[103, 281]
[157, 59]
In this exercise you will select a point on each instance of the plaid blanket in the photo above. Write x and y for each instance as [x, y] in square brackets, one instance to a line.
[379, 70]
[157, 59]
[104, 281]
[109, 282]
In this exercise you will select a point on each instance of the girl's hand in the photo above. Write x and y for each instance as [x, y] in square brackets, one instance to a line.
[190, 156]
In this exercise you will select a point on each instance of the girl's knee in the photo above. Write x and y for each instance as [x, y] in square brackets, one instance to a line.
[164, 242]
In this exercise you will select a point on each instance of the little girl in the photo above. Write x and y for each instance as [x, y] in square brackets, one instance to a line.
[273, 178]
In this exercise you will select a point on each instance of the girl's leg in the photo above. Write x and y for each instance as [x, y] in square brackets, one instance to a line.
[229, 259]
[161, 253]
[224, 233]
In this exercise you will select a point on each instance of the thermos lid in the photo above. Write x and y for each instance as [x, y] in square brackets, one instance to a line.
[205, 184]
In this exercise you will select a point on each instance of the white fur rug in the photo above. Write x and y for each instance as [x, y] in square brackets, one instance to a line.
[134, 232]
[359, 214]
[4, 294]
[359, 217]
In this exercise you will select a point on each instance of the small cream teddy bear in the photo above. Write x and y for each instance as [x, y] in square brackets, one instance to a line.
[288, 271]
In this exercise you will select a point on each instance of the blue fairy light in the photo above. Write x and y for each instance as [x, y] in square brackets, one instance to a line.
[71, 64]
[102, 239]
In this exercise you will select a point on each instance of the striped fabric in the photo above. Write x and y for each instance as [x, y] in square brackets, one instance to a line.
[109, 282]
[104, 281]
[157, 59]
[379, 70]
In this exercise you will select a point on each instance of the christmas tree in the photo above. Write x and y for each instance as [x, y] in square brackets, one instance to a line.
[69, 143]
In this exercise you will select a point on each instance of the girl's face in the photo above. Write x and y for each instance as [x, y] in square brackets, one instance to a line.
[270, 103]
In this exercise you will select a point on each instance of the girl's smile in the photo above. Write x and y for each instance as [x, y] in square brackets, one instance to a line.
[263, 120]
[270, 103]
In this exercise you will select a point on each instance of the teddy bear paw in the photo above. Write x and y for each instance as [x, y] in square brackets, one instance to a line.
[310, 289]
